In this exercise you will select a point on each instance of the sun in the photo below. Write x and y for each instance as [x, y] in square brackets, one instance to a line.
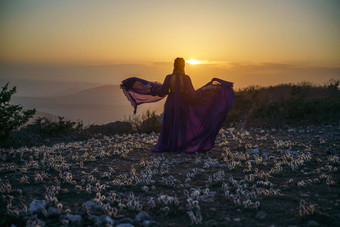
[193, 61]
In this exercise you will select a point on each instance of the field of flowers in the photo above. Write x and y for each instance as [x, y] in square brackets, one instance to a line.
[253, 177]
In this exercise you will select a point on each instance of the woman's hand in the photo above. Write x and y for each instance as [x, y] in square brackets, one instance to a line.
[211, 86]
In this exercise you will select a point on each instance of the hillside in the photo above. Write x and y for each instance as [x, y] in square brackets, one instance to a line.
[254, 106]
[276, 162]
[107, 94]
[102, 104]
[287, 104]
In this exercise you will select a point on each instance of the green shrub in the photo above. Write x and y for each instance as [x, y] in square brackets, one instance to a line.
[45, 131]
[48, 128]
[146, 123]
[151, 123]
[11, 116]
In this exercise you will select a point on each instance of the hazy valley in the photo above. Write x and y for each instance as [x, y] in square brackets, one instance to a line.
[99, 105]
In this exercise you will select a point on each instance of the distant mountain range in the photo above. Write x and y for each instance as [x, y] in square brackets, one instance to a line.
[99, 105]
[107, 94]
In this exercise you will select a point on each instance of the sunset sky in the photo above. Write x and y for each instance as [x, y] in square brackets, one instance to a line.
[102, 32]
[239, 35]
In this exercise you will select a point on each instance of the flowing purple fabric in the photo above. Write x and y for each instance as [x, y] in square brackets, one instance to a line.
[192, 118]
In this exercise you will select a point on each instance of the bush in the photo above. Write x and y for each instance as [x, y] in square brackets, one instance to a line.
[151, 123]
[45, 131]
[146, 123]
[11, 116]
[117, 127]
[47, 128]
[287, 104]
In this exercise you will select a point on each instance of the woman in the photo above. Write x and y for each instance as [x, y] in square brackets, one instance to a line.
[191, 118]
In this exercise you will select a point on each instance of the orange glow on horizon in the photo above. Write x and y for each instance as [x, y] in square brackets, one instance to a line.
[193, 61]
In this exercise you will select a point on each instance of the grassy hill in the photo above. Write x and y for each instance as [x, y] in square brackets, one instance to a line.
[276, 162]
[287, 104]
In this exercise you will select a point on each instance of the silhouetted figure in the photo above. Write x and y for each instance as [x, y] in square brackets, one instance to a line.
[191, 118]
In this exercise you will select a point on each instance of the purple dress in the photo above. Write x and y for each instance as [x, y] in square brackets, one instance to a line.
[192, 118]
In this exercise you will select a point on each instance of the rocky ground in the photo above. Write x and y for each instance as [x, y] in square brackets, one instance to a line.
[253, 177]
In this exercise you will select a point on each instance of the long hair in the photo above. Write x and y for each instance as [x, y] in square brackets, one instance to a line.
[179, 65]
